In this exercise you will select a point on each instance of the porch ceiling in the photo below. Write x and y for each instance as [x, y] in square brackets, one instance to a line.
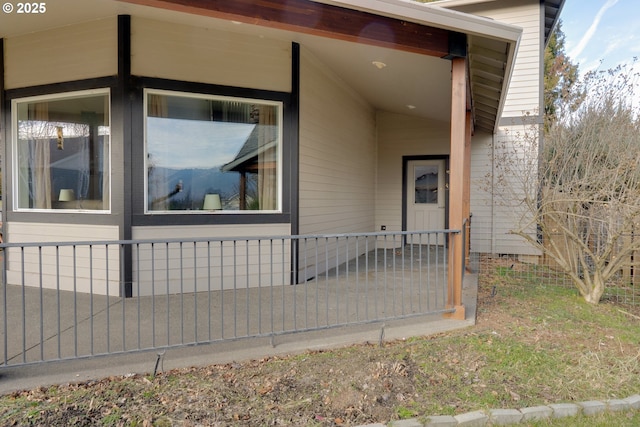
[415, 79]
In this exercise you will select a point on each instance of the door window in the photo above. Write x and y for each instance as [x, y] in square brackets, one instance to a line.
[426, 184]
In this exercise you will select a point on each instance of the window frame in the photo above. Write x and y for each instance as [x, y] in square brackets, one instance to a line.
[289, 152]
[15, 172]
[280, 104]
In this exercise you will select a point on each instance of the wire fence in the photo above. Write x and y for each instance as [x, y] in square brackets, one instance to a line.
[534, 269]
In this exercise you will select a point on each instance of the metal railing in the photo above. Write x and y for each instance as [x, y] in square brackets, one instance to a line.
[67, 300]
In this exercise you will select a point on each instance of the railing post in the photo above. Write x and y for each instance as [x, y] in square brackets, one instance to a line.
[454, 294]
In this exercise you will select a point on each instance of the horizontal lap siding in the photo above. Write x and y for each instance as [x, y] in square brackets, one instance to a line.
[494, 215]
[180, 52]
[162, 50]
[524, 88]
[74, 52]
[523, 97]
[495, 196]
[398, 136]
[510, 213]
[337, 165]
[203, 55]
[85, 270]
[190, 266]
[337, 154]
[481, 189]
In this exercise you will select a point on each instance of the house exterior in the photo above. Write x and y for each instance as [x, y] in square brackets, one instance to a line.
[147, 119]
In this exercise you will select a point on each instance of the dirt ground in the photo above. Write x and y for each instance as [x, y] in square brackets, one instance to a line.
[449, 373]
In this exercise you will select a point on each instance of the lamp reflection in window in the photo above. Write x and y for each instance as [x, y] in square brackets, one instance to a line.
[212, 202]
[66, 195]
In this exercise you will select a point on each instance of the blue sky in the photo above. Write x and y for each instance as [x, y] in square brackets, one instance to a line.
[210, 143]
[601, 34]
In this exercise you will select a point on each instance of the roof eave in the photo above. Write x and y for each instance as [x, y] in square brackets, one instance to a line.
[436, 16]
[428, 14]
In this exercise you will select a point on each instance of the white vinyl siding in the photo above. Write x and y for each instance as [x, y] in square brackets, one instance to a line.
[524, 91]
[398, 136]
[495, 197]
[180, 52]
[481, 198]
[524, 88]
[509, 212]
[494, 214]
[217, 266]
[523, 97]
[75, 52]
[87, 275]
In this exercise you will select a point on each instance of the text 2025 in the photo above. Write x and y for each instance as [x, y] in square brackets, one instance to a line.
[31, 7]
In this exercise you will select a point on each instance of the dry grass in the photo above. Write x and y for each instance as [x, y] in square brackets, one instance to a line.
[533, 344]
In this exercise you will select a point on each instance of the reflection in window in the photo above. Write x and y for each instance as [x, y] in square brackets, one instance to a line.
[426, 184]
[63, 152]
[224, 148]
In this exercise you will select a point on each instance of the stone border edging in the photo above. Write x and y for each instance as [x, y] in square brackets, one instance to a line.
[501, 417]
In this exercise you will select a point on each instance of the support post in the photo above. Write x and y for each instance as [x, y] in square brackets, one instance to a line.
[122, 109]
[457, 178]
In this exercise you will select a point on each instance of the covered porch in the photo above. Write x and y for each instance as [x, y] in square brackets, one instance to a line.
[399, 279]
[365, 88]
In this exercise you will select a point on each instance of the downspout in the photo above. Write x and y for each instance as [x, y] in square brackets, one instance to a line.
[542, 111]
[493, 193]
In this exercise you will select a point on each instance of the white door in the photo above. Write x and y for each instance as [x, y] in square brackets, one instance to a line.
[426, 195]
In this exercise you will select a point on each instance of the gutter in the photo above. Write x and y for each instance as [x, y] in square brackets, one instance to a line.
[434, 16]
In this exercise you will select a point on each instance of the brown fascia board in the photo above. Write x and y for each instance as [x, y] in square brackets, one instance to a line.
[310, 17]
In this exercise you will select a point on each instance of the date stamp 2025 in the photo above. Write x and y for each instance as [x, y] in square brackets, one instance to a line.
[21, 8]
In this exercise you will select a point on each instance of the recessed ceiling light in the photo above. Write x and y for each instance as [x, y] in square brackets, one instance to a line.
[411, 107]
[379, 64]
[236, 22]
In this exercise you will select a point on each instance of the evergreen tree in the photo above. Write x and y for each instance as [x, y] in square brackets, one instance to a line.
[560, 75]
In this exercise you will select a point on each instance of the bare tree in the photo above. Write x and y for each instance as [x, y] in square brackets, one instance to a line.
[581, 191]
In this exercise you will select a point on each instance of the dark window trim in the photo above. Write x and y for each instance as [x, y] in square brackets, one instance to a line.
[294, 135]
[405, 163]
[139, 218]
[62, 88]
[52, 216]
[197, 88]
[3, 138]
[121, 109]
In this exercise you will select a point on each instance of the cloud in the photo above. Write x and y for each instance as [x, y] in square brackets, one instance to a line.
[592, 29]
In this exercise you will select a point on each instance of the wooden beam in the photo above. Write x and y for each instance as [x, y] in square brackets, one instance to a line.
[457, 183]
[305, 16]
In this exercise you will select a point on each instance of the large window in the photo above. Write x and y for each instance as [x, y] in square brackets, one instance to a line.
[62, 151]
[207, 154]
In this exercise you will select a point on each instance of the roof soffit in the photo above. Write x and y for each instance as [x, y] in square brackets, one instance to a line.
[552, 10]
[395, 24]
[314, 18]
[492, 44]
